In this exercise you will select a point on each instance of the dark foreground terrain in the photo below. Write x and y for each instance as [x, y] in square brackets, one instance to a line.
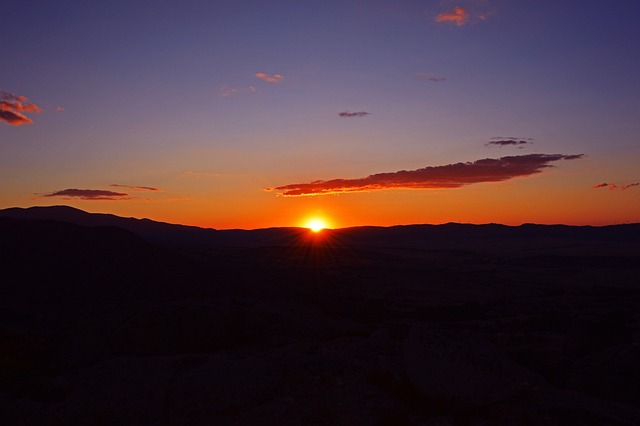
[113, 321]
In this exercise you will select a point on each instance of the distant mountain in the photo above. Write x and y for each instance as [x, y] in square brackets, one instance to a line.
[160, 232]
[492, 231]
[150, 230]
[54, 260]
[431, 237]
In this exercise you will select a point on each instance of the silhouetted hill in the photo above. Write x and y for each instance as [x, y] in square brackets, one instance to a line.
[434, 237]
[161, 232]
[57, 260]
[469, 232]
[148, 229]
[493, 238]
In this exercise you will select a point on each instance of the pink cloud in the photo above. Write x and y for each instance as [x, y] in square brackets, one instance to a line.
[458, 16]
[432, 177]
[429, 76]
[13, 109]
[613, 186]
[274, 78]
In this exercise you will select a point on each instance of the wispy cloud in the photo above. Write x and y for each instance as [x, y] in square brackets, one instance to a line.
[432, 177]
[509, 141]
[273, 78]
[107, 195]
[89, 195]
[466, 12]
[349, 114]
[136, 188]
[457, 16]
[13, 109]
[164, 200]
[227, 91]
[613, 186]
[194, 174]
[429, 76]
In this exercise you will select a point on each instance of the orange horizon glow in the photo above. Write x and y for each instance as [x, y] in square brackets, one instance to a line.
[530, 199]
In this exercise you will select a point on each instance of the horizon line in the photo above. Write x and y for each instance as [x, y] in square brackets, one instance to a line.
[327, 228]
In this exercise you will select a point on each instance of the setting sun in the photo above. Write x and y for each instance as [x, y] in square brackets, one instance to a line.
[316, 225]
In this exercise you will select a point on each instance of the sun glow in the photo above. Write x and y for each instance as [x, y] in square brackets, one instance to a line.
[316, 224]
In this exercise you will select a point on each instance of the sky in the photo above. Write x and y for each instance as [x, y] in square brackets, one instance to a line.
[255, 114]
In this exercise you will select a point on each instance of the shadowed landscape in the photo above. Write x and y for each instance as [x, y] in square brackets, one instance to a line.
[110, 320]
[419, 213]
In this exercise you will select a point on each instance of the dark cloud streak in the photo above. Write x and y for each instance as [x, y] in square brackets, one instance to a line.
[136, 188]
[509, 141]
[89, 194]
[349, 114]
[432, 177]
[613, 186]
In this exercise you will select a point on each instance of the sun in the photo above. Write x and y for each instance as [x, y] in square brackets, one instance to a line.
[316, 224]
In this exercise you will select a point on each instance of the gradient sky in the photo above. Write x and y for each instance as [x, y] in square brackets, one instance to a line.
[251, 114]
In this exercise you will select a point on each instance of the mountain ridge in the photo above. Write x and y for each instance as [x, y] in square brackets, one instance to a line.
[412, 235]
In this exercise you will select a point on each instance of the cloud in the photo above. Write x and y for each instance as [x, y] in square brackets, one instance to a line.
[509, 140]
[429, 76]
[59, 108]
[458, 16]
[470, 12]
[13, 109]
[432, 177]
[613, 186]
[165, 200]
[89, 195]
[191, 173]
[227, 91]
[275, 78]
[136, 188]
[348, 114]
[14, 118]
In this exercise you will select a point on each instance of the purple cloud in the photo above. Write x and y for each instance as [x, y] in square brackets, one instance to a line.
[429, 76]
[509, 140]
[432, 177]
[89, 195]
[348, 114]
